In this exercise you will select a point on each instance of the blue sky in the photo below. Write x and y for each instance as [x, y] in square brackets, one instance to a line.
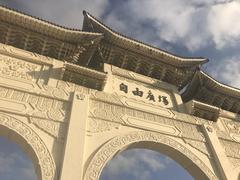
[143, 164]
[14, 163]
[206, 28]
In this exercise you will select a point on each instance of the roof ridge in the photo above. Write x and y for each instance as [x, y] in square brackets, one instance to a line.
[223, 85]
[38, 18]
[204, 60]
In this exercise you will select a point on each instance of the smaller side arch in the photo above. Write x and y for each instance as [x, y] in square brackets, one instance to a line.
[151, 140]
[32, 143]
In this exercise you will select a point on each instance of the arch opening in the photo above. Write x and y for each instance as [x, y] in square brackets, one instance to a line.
[29, 141]
[152, 141]
[14, 163]
[143, 164]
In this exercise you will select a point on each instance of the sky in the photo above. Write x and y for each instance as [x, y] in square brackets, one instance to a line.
[14, 163]
[205, 28]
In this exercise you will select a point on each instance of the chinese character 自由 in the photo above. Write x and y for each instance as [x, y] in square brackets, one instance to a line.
[137, 92]
[123, 87]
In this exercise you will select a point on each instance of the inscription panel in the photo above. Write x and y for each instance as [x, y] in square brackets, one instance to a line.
[142, 92]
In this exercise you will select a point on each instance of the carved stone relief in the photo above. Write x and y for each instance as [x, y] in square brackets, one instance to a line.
[105, 116]
[16, 52]
[198, 145]
[97, 125]
[22, 73]
[35, 106]
[117, 100]
[232, 150]
[68, 87]
[18, 69]
[106, 152]
[118, 114]
[53, 128]
[233, 128]
[45, 160]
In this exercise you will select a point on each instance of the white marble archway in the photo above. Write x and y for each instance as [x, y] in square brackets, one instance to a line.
[31, 143]
[148, 140]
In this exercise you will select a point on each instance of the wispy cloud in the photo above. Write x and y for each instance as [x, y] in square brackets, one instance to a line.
[194, 24]
[136, 163]
[14, 165]
[228, 71]
[222, 23]
[67, 13]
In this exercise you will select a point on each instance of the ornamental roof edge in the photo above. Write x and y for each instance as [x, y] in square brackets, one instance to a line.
[201, 77]
[38, 25]
[196, 60]
[219, 85]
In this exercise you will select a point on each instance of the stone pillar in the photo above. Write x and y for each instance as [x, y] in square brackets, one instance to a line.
[223, 165]
[72, 165]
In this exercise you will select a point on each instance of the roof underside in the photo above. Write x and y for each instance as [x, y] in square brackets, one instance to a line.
[91, 24]
[207, 90]
[36, 35]
[136, 56]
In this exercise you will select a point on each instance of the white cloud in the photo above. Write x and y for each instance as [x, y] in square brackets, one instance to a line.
[138, 163]
[228, 71]
[192, 23]
[67, 13]
[5, 163]
[14, 165]
[223, 24]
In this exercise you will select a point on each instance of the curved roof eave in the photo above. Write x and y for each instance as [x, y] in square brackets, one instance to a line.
[201, 79]
[116, 35]
[44, 27]
[220, 87]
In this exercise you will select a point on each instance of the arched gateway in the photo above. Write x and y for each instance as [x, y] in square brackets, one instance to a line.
[73, 99]
[21, 133]
[153, 141]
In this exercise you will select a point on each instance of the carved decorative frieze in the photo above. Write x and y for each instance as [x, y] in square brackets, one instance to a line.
[45, 160]
[232, 149]
[121, 101]
[106, 97]
[25, 55]
[53, 128]
[16, 68]
[235, 162]
[198, 145]
[68, 87]
[106, 152]
[38, 106]
[62, 91]
[97, 125]
[229, 129]
[22, 73]
[119, 114]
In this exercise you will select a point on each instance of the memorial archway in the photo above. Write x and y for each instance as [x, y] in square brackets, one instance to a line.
[148, 140]
[31, 143]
